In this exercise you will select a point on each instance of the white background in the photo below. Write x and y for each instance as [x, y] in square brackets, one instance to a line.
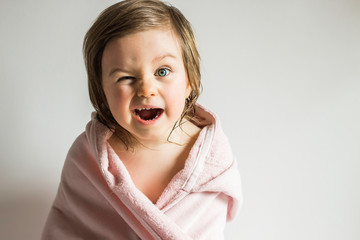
[284, 77]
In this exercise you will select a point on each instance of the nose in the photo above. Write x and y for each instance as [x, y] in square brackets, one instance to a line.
[147, 88]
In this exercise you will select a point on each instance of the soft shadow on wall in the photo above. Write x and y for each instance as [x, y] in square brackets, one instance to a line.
[25, 214]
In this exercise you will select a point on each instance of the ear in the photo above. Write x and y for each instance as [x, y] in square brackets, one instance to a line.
[188, 86]
[188, 90]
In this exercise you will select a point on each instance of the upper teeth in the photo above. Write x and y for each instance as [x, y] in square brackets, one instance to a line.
[140, 109]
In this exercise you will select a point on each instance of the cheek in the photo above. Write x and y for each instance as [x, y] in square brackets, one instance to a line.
[117, 99]
[176, 95]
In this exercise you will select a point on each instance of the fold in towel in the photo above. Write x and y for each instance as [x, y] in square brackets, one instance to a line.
[97, 199]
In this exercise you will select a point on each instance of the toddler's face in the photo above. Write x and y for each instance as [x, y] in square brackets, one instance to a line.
[145, 82]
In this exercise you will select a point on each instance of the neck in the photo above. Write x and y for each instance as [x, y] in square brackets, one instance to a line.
[177, 137]
[180, 136]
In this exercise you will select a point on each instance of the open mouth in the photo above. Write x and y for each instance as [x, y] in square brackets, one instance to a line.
[148, 114]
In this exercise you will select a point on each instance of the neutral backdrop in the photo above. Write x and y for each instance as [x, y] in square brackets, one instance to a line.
[283, 76]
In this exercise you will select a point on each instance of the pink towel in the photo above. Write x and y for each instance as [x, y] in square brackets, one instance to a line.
[97, 199]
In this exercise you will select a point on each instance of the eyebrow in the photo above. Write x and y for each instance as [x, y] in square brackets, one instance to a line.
[158, 59]
[115, 70]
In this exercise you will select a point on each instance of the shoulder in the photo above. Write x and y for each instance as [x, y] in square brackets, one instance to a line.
[79, 146]
[85, 153]
[215, 150]
[77, 154]
[90, 142]
[219, 152]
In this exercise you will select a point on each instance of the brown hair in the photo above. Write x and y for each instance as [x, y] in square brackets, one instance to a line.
[131, 16]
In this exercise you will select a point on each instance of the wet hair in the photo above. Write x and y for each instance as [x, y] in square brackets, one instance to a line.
[132, 16]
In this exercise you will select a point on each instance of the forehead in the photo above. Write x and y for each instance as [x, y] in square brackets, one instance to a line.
[144, 45]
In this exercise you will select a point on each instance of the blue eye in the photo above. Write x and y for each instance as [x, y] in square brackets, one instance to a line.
[162, 72]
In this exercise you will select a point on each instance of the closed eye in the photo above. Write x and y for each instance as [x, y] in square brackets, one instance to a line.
[126, 78]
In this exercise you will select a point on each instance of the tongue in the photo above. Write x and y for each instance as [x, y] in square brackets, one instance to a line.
[148, 114]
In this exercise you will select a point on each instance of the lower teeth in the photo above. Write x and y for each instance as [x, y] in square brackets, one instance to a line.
[157, 115]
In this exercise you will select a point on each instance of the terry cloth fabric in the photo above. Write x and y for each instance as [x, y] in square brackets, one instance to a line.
[97, 199]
